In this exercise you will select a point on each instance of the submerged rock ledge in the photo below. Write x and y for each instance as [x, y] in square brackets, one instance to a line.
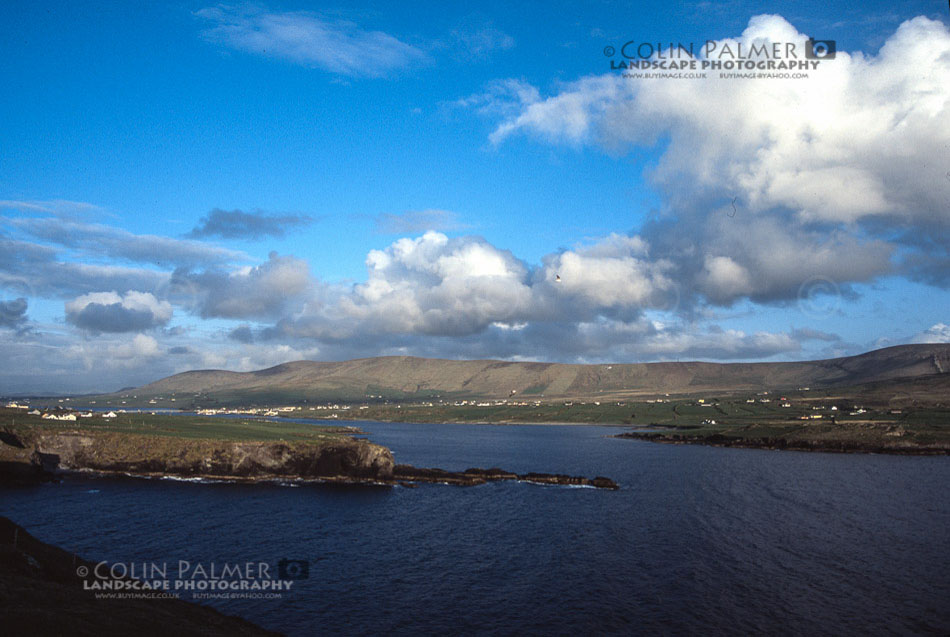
[471, 477]
[27, 457]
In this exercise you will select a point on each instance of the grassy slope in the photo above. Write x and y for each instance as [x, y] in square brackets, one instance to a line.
[174, 426]
[183, 445]
[894, 423]
[918, 423]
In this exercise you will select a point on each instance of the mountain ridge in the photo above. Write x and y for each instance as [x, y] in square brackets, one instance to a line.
[408, 377]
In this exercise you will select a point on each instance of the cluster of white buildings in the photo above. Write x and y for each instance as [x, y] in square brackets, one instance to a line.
[69, 414]
[72, 415]
[495, 403]
[247, 411]
[50, 416]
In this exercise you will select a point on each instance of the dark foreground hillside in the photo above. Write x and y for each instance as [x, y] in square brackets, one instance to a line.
[40, 594]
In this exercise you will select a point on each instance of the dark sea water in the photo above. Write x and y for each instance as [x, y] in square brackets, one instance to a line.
[699, 540]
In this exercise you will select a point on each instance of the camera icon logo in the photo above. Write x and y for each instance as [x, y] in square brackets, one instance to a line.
[293, 569]
[820, 49]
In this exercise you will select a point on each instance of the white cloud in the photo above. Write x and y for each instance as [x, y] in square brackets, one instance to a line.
[251, 358]
[33, 269]
[766, 259]
[501, 98]
[415, 221]
[430, 295]
[770, 182]
[105, 356]
[568, 116]
[60, 207]
[855, 140]
[110, 312]
[306, 38]
[13, 313]
[937, 333]
[600, 339]
[102, 241]
[478, 41]
[237, 224]
[613, 273]
[262, 291]
[434, 284]
[443, 286]
[725, 279]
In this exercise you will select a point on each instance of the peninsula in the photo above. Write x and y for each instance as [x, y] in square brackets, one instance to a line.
[35, 449]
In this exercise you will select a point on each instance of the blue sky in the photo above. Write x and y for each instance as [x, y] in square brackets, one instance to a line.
[191, 185]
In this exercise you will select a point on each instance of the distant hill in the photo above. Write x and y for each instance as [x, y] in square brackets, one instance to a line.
[408, 378]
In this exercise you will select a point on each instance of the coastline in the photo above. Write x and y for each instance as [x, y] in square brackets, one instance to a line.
[494, 423]
[785, 444]
[404, 475]
[31, 454]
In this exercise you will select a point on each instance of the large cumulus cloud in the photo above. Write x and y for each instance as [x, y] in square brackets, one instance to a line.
[109, 312]
[13, 313]
[440, 286]
[262, 291]
[770, 182]
[432, 295]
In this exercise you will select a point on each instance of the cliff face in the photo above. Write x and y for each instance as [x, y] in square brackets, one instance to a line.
[31, 456]
[346, 458]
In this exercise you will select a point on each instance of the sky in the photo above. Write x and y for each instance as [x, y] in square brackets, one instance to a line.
[187, 185]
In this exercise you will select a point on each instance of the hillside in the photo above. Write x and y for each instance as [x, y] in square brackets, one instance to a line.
[408, 378]
[43, 595]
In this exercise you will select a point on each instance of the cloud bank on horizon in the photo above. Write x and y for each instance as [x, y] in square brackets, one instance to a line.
[775, 193]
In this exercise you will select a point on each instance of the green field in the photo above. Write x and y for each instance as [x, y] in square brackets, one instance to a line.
[796, 415]
[195, 427]
[675, 412]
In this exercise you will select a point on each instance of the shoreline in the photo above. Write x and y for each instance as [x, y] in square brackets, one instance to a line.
[404, 476]
[507, 423]
[30, 455]
[838, 446]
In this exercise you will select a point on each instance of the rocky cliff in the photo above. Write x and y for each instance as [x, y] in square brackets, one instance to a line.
[31, 455]
[141, 454]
